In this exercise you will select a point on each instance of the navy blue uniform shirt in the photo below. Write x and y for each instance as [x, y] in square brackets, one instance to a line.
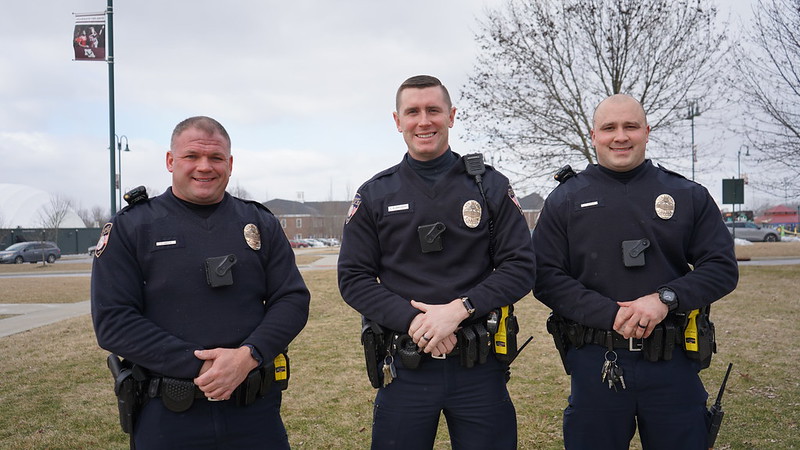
[151, 302]
[578, 242]
[382, 266]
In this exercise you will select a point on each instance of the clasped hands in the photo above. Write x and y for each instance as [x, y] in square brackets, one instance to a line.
[433, 330]
[223, 370]
[638, 318]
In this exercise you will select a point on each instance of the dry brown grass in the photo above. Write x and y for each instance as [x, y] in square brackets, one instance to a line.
[38, 268]
[766, 250]
[55, 390]
[69, 289]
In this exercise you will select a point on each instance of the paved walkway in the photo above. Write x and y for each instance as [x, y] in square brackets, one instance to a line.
[26, 316]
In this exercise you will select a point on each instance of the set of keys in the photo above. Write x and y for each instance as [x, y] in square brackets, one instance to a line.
[389, 371]
[612, 372]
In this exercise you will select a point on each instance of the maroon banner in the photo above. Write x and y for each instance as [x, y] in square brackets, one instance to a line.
[89, 39]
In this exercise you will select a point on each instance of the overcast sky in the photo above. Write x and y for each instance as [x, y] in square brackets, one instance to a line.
[305, 89]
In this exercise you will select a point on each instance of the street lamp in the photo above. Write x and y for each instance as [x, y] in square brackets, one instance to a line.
[738, 159]
[119, 162]
[693, 112]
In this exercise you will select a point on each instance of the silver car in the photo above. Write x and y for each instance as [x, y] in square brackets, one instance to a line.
[752, 232]
[30, 252]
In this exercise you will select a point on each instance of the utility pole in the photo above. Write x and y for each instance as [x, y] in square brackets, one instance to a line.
[693, 112]
[111, 130]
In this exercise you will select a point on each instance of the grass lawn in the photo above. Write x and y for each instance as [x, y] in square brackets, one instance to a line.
[56, 392]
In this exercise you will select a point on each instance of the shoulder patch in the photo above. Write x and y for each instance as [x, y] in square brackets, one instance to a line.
[514, 199]
[353, 208]
[102, 243]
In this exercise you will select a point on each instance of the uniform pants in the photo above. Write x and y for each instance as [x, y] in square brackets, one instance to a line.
[213, 425]
[475, 402]
[665, 398]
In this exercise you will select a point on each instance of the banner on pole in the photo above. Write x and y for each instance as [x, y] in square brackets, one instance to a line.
[89, 39]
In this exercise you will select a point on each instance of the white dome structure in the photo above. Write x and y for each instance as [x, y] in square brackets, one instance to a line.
[23, 206]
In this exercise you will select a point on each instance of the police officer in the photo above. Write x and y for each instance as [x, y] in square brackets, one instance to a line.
[201, 291]
[424, 253]
[628, 246]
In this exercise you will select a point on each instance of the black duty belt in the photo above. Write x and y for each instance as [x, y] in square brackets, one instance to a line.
[612, 340]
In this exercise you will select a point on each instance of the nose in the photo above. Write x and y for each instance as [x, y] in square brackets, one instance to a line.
[424, 120]
[203, 164]
[620, 135]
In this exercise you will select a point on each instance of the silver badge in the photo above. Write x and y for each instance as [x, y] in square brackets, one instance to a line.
[252, 236]
[665, 206]
[471, 211]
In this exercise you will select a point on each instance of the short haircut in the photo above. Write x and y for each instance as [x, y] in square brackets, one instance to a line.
[419, 82]
[202, 123]
[616, 98]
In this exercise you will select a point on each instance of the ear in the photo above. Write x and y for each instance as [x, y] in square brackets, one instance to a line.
[397, 121]
[169, 161]
[452, 116]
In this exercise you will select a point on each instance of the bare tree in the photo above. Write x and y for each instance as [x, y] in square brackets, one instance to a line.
[768, 68]
[52, 215]
[99, 216]
[545, 64]
[239, 192]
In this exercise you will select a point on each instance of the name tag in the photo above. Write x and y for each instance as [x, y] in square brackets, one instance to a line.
[395, 208]
[163, 243]
[588, 204]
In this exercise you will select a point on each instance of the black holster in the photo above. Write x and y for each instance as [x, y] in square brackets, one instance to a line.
[373, 337]
[706, 339]
[129, 389]
[556, 327]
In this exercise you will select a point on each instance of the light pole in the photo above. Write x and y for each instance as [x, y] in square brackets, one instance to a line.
[739, 176]
[119, 162]
[693, 112]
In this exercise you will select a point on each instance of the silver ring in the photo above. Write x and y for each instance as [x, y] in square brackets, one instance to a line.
[642, 326]
[426, 337]
[212, 399]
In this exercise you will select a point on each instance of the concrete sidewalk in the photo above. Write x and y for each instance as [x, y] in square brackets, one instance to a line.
[33, 315]
[27, 316]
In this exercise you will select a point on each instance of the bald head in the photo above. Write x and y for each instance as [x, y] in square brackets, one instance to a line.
[620, 133]
[619, 100]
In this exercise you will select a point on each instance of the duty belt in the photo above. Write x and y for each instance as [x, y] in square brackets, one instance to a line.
[178, 394]
[658, 346]
[612, 340]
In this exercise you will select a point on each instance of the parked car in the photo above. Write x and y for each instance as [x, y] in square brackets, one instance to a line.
[752, 232]
[314, 242]
[297, 244]
[30, 252]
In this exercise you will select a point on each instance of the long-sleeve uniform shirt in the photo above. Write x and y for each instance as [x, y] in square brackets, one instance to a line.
[381, 263]
[152, 304]
[578, 241]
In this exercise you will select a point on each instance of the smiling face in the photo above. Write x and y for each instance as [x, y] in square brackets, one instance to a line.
[620, 133]
[201, 164]
[424, 117]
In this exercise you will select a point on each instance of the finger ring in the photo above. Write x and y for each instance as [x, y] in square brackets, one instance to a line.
[426, 337]
[641, 326]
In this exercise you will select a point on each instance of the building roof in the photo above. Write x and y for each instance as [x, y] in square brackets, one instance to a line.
[531, 202]
[22, 206]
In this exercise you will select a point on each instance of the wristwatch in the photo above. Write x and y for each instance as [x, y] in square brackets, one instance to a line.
[255, 354]
[468, 305]
[668, 297]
